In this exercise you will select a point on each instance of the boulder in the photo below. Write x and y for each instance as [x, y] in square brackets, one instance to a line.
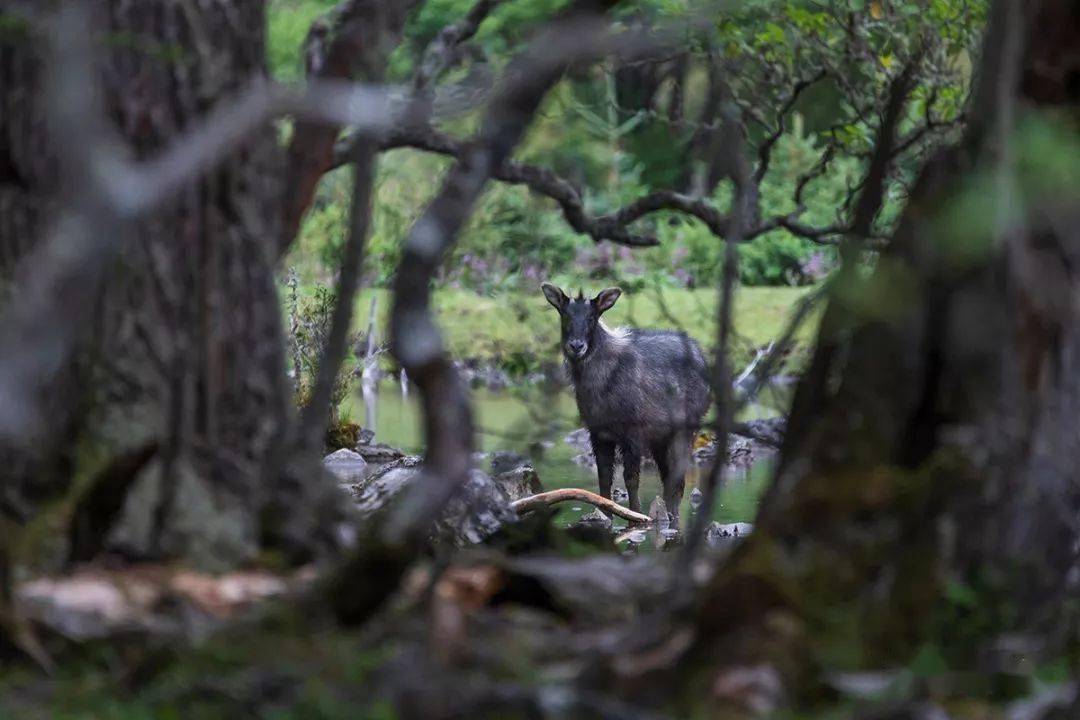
[345, 465]
[379, 453]
[521, 482]
[210, 525]
[476, 511]
[595, 518]
[742, 452]
[766, 431]
[504, 461]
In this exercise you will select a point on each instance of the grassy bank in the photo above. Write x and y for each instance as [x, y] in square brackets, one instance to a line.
[520, 332]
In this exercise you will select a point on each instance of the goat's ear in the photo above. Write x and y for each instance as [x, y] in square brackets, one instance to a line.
[605, 299]
[555, 296]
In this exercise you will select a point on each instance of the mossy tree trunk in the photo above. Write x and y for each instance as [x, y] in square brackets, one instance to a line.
[187, 349]
[933, 440]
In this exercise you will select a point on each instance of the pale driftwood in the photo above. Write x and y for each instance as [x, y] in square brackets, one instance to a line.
[534, 502]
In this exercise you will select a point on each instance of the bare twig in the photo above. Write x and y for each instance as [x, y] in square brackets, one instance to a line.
[738, 170]
[766, 147]
[313, 420]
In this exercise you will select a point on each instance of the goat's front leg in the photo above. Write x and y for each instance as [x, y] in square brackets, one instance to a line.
[604, 450]
[631, 461]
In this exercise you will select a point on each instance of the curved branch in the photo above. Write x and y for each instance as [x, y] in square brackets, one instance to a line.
[544, 499]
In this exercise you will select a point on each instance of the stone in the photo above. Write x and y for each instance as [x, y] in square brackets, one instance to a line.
[520, 482]
[595, 518]
[379, 453]
[504, 461]
[210, 525]
[346, 465]
[477, 511]
[767, 431]
[695, 498]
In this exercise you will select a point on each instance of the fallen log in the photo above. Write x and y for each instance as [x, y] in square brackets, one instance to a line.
[534, 502]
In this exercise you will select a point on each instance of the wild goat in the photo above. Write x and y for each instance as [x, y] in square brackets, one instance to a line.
[635, 390]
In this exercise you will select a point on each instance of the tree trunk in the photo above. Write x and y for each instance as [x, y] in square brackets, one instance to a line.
[933, 439]
[187, 350]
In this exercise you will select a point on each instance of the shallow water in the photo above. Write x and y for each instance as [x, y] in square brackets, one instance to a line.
[535, 423]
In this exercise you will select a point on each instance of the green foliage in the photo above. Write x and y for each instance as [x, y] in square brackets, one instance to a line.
[310, 318]
[519, 331]
[288, 25]
[616, 154]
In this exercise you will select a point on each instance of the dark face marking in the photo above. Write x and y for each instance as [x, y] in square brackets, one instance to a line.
[579, 321]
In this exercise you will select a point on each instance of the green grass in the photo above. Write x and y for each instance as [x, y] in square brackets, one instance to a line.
[521, 331]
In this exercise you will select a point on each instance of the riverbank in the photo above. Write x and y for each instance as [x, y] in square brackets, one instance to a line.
[518, 333]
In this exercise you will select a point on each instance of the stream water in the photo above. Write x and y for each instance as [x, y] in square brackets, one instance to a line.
[535, 424]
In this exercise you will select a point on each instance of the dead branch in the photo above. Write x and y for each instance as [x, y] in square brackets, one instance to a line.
[614, 226]
[737, 168]
[553, 497]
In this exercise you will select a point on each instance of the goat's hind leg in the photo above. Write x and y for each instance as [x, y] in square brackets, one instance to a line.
[631, 460]
[677, 454]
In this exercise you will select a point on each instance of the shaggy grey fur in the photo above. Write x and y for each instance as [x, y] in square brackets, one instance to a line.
[636, 390]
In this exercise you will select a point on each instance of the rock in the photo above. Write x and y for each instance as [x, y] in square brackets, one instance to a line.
[659, 514]
[210, 525]
[367, 437]
[479, 375]
[578, 439]
[767, 431]
[596, 519]
[505, 461]
[695, 498]
[520, 482]
[379, 453]
[720, 533]
[620, 495]
[478, 510]
[585, 459]
[742, 452]
[347, 466]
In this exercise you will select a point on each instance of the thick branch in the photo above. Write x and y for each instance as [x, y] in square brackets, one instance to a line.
[613, 226]
[553, 497]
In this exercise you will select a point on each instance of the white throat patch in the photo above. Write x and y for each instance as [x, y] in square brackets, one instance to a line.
[619, 337]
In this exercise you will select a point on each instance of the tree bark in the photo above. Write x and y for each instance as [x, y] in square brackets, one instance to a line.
[933, 438]
[187, 349]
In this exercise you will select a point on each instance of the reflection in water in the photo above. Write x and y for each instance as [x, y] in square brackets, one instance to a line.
[534, 422]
